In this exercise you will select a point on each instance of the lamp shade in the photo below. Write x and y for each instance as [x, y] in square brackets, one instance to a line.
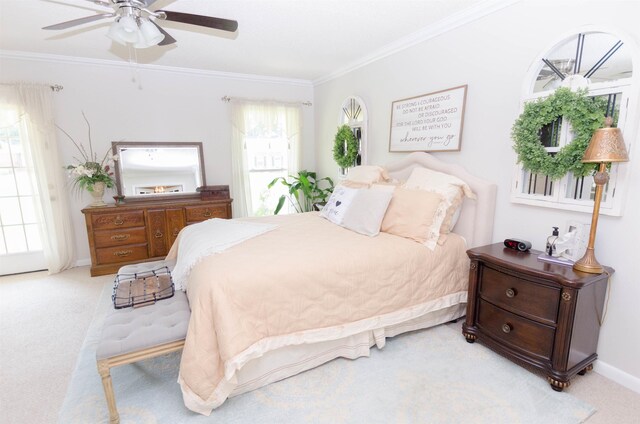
[114, 33]
[124, 30]
[150, 34]
[606, 145]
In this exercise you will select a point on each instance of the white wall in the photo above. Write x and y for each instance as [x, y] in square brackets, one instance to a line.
[492, 55]
[168, 106]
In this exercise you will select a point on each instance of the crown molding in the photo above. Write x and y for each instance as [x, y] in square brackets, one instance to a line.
[70, 60]
[480, 10]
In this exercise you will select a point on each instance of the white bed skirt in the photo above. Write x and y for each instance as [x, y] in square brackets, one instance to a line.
[291, 360]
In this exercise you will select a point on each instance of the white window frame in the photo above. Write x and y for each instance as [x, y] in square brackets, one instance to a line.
[613, 204]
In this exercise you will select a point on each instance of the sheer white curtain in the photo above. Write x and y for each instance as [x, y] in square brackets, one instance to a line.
[260, 119]
[35, 106]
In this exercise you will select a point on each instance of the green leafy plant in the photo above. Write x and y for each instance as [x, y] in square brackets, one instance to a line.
[585, 114]
[345, 147]
[304, 190]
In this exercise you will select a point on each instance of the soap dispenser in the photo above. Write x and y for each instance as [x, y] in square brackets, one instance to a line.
[551, 242]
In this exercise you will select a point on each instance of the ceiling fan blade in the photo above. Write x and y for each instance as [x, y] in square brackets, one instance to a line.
[167, 38]
[79, 21]
[205, 21]
[100, 3]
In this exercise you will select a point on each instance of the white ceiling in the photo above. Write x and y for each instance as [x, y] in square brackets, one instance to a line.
[297, 39]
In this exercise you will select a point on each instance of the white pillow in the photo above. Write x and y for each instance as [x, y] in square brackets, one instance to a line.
[359, 210]
[438, 182]
[367, 174]
[366, 211]
[338, 203]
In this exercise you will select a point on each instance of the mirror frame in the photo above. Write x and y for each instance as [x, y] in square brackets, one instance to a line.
[116, 145]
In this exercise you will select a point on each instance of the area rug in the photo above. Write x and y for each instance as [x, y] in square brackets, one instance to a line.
[428, 376]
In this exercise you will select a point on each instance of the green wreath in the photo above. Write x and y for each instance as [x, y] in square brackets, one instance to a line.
[586, 115]
[345, 157]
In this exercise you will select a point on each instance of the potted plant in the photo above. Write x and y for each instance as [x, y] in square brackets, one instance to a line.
[93, 173]
[305, 190]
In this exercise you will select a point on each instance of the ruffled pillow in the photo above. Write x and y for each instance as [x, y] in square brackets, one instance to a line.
[416, 215]
[367, 174]
[452, 188]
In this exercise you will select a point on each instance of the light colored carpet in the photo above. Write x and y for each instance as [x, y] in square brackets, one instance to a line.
[43, 323]
[430, 376]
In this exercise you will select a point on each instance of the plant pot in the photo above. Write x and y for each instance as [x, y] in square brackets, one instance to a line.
[97, 194]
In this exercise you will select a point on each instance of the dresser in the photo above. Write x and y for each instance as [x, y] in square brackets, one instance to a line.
[142, 231]
[533, 312]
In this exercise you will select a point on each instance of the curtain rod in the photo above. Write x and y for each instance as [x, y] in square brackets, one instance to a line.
[227, 99]
[54, 87]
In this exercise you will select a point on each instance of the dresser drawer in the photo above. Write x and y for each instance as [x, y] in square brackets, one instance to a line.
[524, 297]
[108, 238]
[524, 334]
[201, 213]
[109, 221]
[110, 255]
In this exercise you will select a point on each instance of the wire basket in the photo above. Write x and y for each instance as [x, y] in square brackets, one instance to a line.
[142, 288]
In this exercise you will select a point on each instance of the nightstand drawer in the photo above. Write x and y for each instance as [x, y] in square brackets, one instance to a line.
[516, 331]
[523, 297]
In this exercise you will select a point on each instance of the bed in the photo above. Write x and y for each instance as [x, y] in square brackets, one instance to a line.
[308, 291]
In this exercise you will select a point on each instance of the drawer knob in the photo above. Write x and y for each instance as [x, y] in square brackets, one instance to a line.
[122, 253]
[506, 328]
[118, 220]
[120, 237]
[207, 213]
[511, 293]
[175, 232]
[158, 234]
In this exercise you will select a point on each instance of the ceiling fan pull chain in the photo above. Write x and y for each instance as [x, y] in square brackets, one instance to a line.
[133, 63]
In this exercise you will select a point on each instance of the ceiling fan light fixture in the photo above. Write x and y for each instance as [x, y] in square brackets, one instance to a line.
[129, 30]
[149, 33]
[114, 33]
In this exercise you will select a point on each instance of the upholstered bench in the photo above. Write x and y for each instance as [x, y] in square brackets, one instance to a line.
[132, 334]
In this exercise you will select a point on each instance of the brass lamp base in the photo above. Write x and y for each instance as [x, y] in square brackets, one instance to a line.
[588, 263]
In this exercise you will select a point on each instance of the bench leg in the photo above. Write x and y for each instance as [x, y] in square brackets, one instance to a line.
[104, 370]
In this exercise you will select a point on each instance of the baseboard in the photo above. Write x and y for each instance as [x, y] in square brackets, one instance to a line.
[83, 262]
[625, 379]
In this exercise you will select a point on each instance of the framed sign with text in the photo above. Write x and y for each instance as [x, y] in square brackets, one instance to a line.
[428, 123]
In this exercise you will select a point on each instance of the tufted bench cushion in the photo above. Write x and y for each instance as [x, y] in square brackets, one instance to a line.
[133, 329]
[133, 334]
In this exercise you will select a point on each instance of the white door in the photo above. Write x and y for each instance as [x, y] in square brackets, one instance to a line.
[20, 235]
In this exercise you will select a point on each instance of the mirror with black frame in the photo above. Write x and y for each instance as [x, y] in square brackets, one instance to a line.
[157, 170]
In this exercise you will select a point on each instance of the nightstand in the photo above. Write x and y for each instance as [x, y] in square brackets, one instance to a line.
[534, 312]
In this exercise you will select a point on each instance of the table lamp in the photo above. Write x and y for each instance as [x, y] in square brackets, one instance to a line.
[606, 146]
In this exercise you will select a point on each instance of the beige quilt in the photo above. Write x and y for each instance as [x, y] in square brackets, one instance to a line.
[306, 281]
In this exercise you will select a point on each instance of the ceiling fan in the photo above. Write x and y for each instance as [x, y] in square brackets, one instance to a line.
[135, 24]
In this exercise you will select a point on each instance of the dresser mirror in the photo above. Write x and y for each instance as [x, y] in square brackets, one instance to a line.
[158, 170]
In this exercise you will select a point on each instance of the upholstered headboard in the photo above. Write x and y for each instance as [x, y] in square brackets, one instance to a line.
[476, 216]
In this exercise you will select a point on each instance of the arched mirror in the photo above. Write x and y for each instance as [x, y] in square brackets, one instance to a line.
[582, 60]
[353, 112]
[601, 63]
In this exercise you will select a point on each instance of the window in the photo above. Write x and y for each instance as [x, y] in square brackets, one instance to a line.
[265, 146]
[601, 63]
[20, 239]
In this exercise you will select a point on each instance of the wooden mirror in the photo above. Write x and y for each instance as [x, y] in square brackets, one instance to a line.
[158, 170]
